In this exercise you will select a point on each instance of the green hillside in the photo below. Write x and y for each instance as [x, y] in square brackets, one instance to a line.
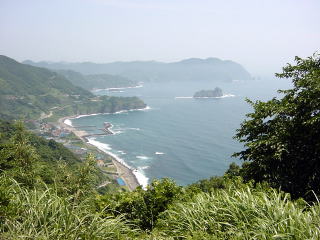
[20, 80]
[26, 92]
[49, 153]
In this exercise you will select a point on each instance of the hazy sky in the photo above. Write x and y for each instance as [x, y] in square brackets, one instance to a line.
[261, 35]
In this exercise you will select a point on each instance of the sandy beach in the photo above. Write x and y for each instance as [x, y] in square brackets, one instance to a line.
[79, 133]
[123, 171]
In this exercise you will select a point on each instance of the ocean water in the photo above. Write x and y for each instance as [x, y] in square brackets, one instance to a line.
[179, 137]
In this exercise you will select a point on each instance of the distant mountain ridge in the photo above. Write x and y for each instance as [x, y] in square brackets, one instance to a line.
[193, 69]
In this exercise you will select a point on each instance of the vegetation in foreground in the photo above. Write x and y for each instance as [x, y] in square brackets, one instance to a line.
[239, 205]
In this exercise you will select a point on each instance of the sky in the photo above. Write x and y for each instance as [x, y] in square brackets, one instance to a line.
[262, 35]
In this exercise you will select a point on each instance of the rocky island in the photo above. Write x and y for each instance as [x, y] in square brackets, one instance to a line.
[217, 92]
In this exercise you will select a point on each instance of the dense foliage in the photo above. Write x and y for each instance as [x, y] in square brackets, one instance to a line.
[30, 159]
[41, 213]
[282, 136]
[141, 207]
[241, 212]
[238, 211]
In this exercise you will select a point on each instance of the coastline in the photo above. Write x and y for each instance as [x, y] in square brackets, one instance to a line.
[123, 171]
[116, 88]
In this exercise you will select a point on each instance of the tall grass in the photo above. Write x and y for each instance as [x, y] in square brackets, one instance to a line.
[242, 213]
[237, 212]
[42, 214]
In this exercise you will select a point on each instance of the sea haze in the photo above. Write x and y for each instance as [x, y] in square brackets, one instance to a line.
[180, 137]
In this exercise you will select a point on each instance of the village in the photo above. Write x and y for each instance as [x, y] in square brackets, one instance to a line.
[80, 147]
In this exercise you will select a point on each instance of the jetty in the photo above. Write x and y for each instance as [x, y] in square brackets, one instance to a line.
[106, 131]
[89, 126]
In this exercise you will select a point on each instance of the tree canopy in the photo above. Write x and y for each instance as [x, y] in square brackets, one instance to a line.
[282, 135]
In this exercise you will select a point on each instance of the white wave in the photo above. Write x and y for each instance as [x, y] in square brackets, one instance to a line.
[144, 167]
[119, 112]
[121, 152]
[102, 146]
[142, 179]
[86, 115]
[159, 153]
[227, 95]
[136, 129]
[146, 108]
[116, 91]
[112, 89]
[223, 96]
[125, 129]
[68, 122]
[116, 132]
[106, 148]
[142, 157]
[182, 97]
[132, 110]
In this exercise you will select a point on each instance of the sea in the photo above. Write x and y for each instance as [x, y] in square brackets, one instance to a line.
[177, 136]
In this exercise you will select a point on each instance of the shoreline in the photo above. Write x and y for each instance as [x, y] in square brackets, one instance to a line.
[95, 114]
[123, 171]
[115, 88]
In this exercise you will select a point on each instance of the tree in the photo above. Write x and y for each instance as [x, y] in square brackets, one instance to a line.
[282, 136]
[78, 182]
[18, 158]
[85, 178]
[142, 207]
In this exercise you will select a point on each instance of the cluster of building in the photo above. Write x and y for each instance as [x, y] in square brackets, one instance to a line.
[50, 130]
[60, 134]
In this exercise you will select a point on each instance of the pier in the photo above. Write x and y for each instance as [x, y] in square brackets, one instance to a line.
[89, 126]
[106, 130]
[95, 134]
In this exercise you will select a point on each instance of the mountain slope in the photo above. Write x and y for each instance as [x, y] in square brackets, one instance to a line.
[21, 79]
[27, 91]
[194, 69]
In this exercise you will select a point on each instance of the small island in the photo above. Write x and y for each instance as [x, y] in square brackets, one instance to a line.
[217, 92]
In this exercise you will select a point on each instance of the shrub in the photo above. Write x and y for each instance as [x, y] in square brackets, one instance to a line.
[42, 214]
[241, 213]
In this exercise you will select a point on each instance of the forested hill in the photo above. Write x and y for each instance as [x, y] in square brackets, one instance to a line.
[26, 92]
[193, 69]
[22, 79]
